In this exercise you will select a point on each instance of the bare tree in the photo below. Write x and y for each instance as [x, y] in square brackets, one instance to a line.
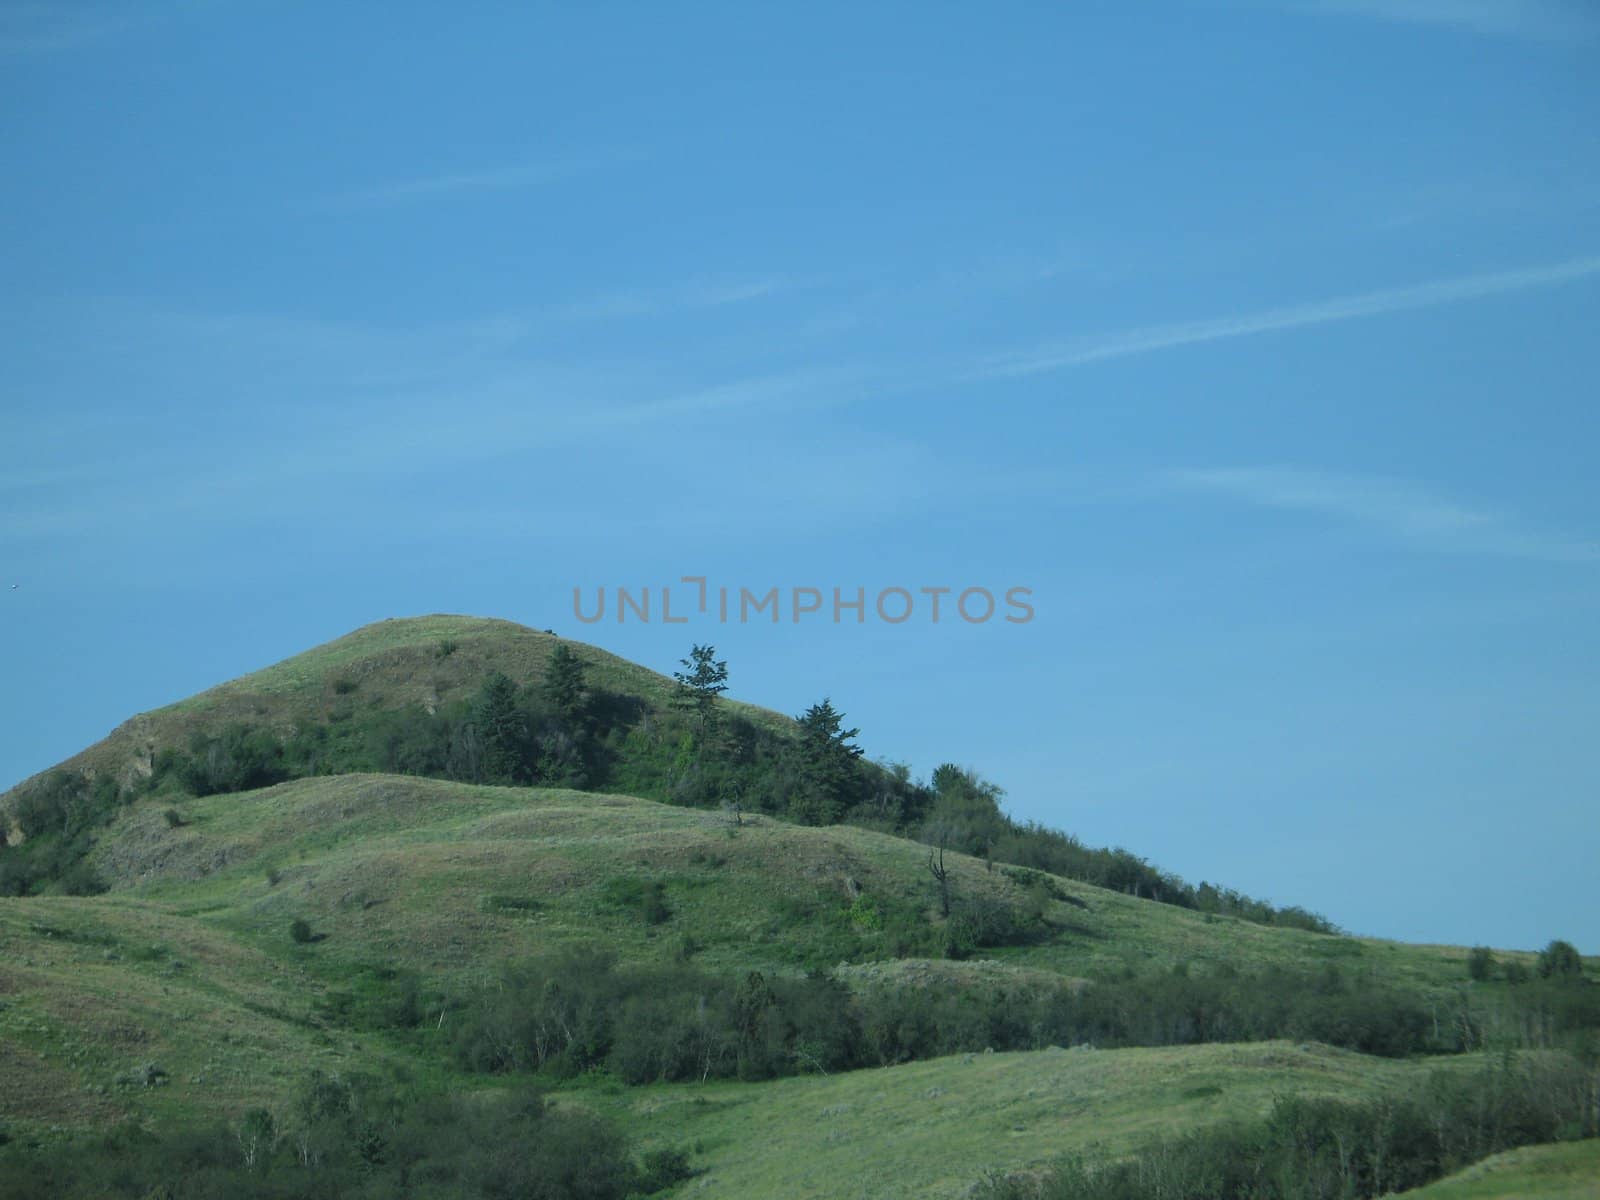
[941, 876]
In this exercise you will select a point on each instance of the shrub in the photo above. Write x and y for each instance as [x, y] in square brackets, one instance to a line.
[660, 1169]
[300, 930]
[1560, 960]
[174, 818]
[238, 759]
[1480, 963]
[647, 898]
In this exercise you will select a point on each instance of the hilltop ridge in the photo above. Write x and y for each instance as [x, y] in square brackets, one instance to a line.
[425, 660]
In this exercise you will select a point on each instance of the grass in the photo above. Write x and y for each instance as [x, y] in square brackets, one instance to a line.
[416, 872]
[1569, 1171]
[928, 1129]
[188, 963]
[90, 991]
[388, 664]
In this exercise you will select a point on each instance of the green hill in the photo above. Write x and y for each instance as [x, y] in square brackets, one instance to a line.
[916, 1130]
[801, 1008]
[447, 881]
[428, 662]
[1565, 1172]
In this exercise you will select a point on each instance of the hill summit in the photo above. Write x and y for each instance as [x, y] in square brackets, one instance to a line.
[485, 701]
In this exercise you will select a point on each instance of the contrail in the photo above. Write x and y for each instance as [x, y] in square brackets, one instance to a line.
[1076, 352]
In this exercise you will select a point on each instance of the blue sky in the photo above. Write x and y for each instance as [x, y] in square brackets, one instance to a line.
[1256, 338]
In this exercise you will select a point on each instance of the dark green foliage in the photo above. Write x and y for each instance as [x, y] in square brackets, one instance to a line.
[661, 1169]
[350, 1137]
[563, 686]
[1311, 1148]
[412, 741]
[1560, 960]
[174, 818]
[57, 816]
[578, 1011]
[377, 998]
[238, 759]
[1480, 963]
[984, 920]
[502, 731]
[300, 930]
[830, 779]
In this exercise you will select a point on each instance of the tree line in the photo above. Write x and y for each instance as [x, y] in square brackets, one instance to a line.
[350, 1136]
[580, 1011]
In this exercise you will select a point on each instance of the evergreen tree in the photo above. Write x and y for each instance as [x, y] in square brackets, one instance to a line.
[501, 730]
[830, 776]
[563, 687]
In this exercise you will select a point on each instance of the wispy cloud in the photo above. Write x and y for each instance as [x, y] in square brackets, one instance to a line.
[1542, 20]
[1080, 351]
[524, 175]
[1395, 508]
[323, 404]
[693, 296]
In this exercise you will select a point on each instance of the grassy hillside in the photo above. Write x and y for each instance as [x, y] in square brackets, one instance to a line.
[92, 991]
[424, 871]
[800, 987]
[1570, 1171]
[188, 961]
[916, 1130]
[426, 661]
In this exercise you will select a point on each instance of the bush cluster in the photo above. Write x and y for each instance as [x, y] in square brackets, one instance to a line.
[580, 1011]
[351, 1137]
